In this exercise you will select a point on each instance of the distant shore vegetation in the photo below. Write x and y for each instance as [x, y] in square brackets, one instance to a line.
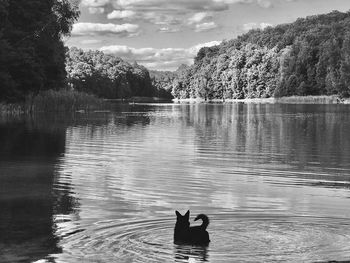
[308, 57]
[110, 77]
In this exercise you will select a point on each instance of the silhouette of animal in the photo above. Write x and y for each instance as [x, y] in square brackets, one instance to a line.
[196, 235]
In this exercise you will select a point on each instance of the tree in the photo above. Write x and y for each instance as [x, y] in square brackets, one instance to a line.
[32, 51]
[107, 76]
[307, 57]
[344, 88]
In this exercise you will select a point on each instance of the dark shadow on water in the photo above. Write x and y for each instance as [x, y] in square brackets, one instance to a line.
[31, 149]
[29, 153]
[183, 253]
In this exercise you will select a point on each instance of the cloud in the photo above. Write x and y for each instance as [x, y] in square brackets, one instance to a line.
[262, 3]
[205, 26]
[265, 3]
[90, 41]
[153, 58]
[164, 19]
[167, 29]
[199, 17]
[167, 5]
[194, 50]
[95, 3]
[170, 15]
[250, 26]
[96, 10]
[97, 28]
[121, 14]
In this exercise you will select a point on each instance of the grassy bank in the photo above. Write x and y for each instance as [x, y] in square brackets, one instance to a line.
[285, 100]
[54, 101]
[12, 108]
[136, 99]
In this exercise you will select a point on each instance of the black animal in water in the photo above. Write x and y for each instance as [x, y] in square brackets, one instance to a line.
[196, 235]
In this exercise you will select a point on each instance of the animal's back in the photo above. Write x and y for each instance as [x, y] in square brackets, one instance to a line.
[199, 235]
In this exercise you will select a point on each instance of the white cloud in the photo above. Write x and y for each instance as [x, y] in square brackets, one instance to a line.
[95, 3]
[170, 5]
[97, 28]
[179, 5]
[198, 17]
[194, 50]
[163, 19]
[153, 58]
[265, 3]
[169, 15]
[121, 14]
[167, 29]
[205, 26]
[262, 3]
[96, 10]
[249, 26]
[90, 41]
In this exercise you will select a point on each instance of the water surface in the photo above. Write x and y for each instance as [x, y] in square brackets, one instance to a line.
[103, 187]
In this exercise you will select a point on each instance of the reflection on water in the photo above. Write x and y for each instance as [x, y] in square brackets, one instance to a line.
[274, 180]
[185, 253]
[28, 156]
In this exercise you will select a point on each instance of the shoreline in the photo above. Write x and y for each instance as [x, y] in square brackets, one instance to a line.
[140, 100]
[323, 99]
[22, 108]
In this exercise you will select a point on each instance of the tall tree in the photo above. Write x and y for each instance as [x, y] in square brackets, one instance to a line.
[31, 35]
[345, 67]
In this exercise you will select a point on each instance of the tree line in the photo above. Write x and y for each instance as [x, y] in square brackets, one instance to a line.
[308, 57]
[106, 76]
[32, 53]
[33, 57]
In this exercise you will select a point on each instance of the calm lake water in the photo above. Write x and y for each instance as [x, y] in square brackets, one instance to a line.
[103, 187]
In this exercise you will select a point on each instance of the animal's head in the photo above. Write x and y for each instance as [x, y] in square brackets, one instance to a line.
[183, 220]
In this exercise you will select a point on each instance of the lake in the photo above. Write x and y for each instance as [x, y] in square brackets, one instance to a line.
[274, 180]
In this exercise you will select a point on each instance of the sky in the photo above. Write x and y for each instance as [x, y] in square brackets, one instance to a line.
[163, 34]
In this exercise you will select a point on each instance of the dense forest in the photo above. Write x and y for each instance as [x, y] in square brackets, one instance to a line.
[32, 53]
[107, 76]
[308, 57]
[162, 81]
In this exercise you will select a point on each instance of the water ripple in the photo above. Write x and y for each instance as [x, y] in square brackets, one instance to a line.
[245, 237]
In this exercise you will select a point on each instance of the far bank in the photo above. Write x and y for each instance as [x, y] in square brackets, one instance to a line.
[284, 100]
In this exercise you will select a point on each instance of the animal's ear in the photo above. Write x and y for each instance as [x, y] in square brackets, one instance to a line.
[187, 215]
[178, 214]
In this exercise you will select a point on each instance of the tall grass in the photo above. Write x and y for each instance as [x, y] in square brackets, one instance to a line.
[332, 99]
[53, 101]
[14, 109]
[62, 101]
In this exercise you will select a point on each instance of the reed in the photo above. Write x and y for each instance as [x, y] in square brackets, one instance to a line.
[53, 101]
[323, 99]
[62, 101]
[13, 109]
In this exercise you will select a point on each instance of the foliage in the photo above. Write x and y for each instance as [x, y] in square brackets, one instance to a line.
[161, 81]
[62, 100]
[32, 53]
[308, 57]
[108, 76]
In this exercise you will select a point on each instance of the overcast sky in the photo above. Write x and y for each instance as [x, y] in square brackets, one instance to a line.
[162, 34]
